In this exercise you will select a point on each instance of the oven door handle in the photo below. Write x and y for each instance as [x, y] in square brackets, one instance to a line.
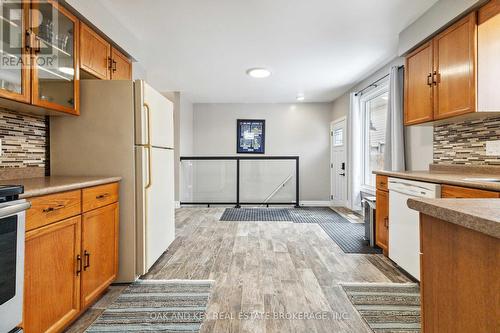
[13, 208]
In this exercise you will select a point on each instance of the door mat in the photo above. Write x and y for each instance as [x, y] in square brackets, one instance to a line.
[157, 306]
[386, 307]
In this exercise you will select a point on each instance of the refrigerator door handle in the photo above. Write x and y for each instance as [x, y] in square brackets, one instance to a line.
[148, 143]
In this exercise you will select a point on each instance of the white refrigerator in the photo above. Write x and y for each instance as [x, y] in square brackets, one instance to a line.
[125, 128]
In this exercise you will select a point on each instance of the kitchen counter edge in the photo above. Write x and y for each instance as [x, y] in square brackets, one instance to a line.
[482, 215]
[448, 178]
[34, 187]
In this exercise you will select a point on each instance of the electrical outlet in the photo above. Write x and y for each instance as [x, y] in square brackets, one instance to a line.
[493, 148]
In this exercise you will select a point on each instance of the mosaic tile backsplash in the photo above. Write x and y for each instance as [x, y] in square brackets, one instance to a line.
[24, 140]
[464, 142]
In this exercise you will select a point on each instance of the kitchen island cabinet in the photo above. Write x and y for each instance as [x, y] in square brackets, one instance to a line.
[460, 256]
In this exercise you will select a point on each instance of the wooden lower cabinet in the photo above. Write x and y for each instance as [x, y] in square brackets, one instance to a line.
[68, 263]
[382, 221]
[52, 280]
[100, 251]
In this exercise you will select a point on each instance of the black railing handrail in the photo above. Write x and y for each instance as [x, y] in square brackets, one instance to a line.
[222, 157]
[238, 158]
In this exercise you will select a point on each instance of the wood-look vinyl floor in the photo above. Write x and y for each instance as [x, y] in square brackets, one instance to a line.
[269, 274]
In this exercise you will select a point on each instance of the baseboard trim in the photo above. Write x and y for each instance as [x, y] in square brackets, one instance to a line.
[312, 203]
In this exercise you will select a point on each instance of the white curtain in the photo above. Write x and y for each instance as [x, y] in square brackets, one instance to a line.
[355, 153]
[394, 155]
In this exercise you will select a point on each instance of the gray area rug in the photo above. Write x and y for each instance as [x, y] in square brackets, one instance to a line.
[387, 307]
[256, 214]
[157, 306]
[348, 236]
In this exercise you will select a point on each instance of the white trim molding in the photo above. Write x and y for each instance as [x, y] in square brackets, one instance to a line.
[312, 203]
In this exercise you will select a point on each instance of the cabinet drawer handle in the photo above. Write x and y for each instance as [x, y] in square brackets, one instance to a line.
[102, 196]
[87, 260]
[78, 264]
[51, 209]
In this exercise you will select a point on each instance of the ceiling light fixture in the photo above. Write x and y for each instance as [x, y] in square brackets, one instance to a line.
[300, 98]
[259, 73]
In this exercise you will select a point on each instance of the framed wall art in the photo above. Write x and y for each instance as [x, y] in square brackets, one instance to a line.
[250, 136]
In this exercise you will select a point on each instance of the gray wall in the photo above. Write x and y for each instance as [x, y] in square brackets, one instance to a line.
[291, 129]
[418, 138]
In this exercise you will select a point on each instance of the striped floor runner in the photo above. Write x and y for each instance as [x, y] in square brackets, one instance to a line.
[168, 306]
[387, 307]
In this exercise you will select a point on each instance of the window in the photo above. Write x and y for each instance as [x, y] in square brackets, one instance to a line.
[374, 115]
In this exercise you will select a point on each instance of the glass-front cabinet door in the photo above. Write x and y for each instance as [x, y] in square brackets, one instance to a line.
[14, 53]
[55, 78]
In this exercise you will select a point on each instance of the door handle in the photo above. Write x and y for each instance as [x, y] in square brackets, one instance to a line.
[342, 166]
[342, 174]
[148, 144]
[86, 255]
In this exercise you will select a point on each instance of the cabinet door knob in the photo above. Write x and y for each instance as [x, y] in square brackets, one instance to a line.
[87, 260]
[436, 77]
[429, 79]
[78, 264]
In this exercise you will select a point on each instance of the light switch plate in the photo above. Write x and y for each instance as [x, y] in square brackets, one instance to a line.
[493, 148]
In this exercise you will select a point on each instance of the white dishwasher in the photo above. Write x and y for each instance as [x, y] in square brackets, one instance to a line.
[404, 223]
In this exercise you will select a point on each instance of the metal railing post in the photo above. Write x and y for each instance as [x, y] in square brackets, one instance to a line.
[297, 185]
[238, 183]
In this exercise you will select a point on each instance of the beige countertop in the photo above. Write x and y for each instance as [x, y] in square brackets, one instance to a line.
[451, 177]
[482, 215]
[54, 184]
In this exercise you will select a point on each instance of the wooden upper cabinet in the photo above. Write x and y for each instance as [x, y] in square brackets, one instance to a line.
[15, 57]
[455, 52]
[52, 277]
[440, 75]
[121, 68]
[95, 53]
[100, 251]
[55, 68]
[418, 86]
[488, 66]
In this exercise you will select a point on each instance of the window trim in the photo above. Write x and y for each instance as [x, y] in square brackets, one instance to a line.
[381, 88]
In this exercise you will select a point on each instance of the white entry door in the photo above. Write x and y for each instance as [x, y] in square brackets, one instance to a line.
[339, 162]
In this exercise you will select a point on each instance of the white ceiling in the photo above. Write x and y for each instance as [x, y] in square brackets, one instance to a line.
[316, 47]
